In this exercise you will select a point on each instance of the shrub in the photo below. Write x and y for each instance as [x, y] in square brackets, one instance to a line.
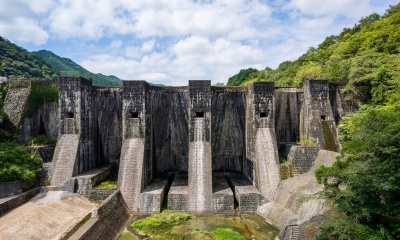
[41, 140]
[16, 163]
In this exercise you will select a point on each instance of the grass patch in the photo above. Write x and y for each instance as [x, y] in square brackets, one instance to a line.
[160, 220]
[127, 236]
[109, 184]
[226, 233]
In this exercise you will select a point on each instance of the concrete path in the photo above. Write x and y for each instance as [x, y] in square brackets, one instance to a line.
[47, 216]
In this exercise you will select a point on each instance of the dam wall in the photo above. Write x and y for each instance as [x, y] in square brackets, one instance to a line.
[193, 131]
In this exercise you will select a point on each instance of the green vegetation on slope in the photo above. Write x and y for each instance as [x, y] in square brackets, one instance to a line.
[16, 163]
[66, 64]
[40, 93]
[364, 184]
[15, 60]
[365, 56]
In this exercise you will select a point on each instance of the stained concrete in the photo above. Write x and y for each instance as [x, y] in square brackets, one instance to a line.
[248, 197]
[152, 196]
[131, 172]
[49, 216]
[178, 193]
[64, 159]
[16, 101]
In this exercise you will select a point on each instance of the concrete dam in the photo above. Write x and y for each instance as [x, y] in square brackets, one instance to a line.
[196, 148]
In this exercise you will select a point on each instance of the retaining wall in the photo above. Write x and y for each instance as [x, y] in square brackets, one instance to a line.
[107, 221]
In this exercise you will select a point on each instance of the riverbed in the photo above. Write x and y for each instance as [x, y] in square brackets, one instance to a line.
[250, 226]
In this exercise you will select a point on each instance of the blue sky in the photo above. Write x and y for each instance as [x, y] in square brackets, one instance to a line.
[172, 41]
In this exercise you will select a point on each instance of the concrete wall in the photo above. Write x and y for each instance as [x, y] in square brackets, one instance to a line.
[16, 101]
[288, 109]
[317, 111]
[302, 158]
[15, 187]
[228, 111]
[169, 127]
[107, 221]
[14, 202]
[261, 145]
[44, 122]
[108, 123]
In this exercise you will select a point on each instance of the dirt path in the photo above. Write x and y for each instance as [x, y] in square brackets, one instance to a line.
[47, 217]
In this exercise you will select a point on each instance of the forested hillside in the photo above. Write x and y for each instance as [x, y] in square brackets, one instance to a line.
[66, 64]
[15, 60]
[362, 56]
[364, 184]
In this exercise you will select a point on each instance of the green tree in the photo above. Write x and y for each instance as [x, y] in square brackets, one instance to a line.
[241, 77]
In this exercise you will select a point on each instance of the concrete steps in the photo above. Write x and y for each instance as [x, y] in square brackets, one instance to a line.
[295, 232]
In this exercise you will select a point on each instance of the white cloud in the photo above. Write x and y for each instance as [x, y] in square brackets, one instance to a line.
[189, 58]
[353, 9]
[148, 46]
[18, 21]
[171, 41]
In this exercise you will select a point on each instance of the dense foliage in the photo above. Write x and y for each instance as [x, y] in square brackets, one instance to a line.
[40, 93]
[18, 61]
[66, 64]
[365, 56]
[364, 184]
[241, 77]
[16, 163]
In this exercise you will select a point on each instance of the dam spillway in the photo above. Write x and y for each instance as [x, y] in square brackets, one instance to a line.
[195, 133]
